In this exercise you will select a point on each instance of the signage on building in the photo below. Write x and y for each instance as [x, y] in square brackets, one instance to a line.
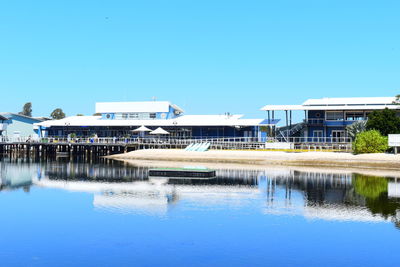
[394, 140]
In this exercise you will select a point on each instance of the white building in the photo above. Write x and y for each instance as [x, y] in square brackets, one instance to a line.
[120, 118]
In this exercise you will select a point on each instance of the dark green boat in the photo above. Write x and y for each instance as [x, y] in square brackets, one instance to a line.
[191, 173]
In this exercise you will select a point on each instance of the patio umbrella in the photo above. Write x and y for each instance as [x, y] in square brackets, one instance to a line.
[159, 130]
[142, 129]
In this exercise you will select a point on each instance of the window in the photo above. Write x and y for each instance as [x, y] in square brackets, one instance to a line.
[152, 115]
[133, 116]
[144, 116]
[124, 116]
[318, 133]
[334, 115]
[354, 115]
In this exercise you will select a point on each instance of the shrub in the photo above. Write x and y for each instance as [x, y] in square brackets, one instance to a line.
[370, 142]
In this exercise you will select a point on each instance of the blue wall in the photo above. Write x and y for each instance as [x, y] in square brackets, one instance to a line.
[326, 126]
[197, 131]
[20, 124]
[316, 114]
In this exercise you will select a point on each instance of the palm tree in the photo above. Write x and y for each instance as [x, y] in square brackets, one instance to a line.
[356, 128]
[397, 101]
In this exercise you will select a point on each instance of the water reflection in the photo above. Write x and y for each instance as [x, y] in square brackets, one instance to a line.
[347, 197]
[118, 187]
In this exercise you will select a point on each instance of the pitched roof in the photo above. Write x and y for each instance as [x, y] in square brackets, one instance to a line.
[184, 120]
[10, 115]
[328, 101]
[350, 103]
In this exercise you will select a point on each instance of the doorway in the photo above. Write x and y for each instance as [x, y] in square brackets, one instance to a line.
[338, 136]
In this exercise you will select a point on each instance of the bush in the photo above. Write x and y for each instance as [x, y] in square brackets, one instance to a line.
[370, 142]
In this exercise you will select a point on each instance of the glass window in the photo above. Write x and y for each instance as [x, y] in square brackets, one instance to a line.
[144, 116]
[354, 116]
[152, 115]
[124, 116]
[133, 116]
[317, 133]
[334, 115]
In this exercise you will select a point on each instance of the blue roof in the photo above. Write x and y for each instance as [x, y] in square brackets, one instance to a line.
[9, 116]
[267, 121]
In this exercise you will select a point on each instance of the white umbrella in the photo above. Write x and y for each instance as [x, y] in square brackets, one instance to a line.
[159, 130]
[142, 129]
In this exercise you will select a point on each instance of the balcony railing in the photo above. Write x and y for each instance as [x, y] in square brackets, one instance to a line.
[315, 121]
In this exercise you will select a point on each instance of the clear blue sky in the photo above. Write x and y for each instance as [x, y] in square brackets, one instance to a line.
[206, 56]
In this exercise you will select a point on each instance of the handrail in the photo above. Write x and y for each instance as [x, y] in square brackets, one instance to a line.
[174, 140]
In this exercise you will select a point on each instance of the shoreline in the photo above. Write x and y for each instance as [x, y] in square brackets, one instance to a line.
[376, 163]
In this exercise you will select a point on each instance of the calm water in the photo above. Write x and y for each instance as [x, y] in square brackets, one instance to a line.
[101, 213]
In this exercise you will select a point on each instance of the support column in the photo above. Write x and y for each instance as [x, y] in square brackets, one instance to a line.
[287, 125]
[273, 118]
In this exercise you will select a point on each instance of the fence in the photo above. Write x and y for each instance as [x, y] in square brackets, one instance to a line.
[310, 143]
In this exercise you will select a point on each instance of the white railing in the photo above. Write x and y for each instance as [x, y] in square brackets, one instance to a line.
[15, 139]
[315, 139]
[174, 140]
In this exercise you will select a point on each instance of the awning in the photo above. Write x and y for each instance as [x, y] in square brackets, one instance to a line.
[159, 130]
[142, 129]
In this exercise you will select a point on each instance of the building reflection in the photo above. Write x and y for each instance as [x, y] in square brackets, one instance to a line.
[119, 187]
[16, 176]
[343, 197]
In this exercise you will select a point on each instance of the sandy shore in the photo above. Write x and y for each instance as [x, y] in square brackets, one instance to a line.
[263, 158]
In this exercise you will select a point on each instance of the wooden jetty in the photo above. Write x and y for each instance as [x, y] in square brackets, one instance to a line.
[65, 149]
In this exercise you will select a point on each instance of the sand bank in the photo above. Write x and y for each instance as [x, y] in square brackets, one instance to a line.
[264, 158]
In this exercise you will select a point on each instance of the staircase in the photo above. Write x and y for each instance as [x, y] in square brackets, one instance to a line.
[283, 132]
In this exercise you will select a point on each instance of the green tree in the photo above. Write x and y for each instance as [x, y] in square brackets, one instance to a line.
[385, 121]
[57, 114]
[370, 142]
[27, 110]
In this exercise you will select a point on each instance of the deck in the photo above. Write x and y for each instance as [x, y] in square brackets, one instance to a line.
[109, 146]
